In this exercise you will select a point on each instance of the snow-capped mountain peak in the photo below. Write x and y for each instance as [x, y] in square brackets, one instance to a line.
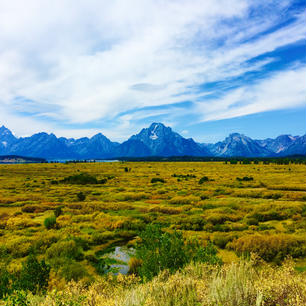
[156, 140]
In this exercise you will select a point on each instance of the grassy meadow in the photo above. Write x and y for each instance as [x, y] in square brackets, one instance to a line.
[71, 215]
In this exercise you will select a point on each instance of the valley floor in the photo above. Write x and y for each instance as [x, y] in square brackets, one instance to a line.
[73, 215]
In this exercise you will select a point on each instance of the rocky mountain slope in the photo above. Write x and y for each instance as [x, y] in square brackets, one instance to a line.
[156, 140]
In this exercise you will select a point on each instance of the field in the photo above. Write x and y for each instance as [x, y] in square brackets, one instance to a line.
[71, 215]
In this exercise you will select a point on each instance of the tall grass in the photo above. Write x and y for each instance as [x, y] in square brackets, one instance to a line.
[244, 283]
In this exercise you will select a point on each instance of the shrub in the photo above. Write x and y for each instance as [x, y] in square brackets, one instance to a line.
[184, 200]
[220, 218]
[183, 176]
[160, 250]
[193, 222]
[133, 224]
[100, 238]
[268, 215]
[20, 222]
[203, 179]
[81, 196]
[43, 242]
[221, 240]
[206, 254]
[252, 221]
[72, 270]
[157, 180]
[270, 247]
[34, 275]
[5, 282]
[221, 191]
[50, 222]
[134, 265]
[100, 266]
[83, 179]
[17, 298]
[166, 210]
[29, 208]
[58, 211]
[19, 247]
[131, 196]
[265, 227]
[64, 249]
[81, 242]
[245, 179]
[274, 196]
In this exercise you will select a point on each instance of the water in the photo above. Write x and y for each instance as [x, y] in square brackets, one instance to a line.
[61, 161]
[123, 254]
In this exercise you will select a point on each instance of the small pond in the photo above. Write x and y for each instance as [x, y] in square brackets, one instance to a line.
[121, 256]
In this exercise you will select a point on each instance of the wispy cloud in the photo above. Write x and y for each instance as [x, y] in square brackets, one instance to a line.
[281, 90]
[73, 63]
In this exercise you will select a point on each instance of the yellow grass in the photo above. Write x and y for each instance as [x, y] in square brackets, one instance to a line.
[222, 209]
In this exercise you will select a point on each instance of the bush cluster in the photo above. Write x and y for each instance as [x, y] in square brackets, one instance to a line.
[203, 179]
[160, 250]
[50, 222]
[34, 277]
[270, 247]
[157, 180]
[185, 177]
[83, 179]
[245, 179]
[81, 196]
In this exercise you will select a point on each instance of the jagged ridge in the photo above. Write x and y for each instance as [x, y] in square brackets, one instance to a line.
[156, 140]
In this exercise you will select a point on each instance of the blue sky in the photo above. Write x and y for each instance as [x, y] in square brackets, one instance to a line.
[206, 68]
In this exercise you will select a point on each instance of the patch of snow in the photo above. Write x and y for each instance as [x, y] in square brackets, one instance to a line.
[225, 149]
[280, 149]
[4, 143]
[153, 135]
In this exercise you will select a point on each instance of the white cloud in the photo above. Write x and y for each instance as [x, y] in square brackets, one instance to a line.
[281, 90]
[81, 61]
[22, 126]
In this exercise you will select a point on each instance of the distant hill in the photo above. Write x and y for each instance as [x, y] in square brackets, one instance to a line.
[156, 140]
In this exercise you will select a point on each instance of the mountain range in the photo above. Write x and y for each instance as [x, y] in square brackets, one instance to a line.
[156, 140]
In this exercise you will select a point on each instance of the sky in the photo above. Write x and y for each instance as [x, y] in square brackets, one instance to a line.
[205, 68]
